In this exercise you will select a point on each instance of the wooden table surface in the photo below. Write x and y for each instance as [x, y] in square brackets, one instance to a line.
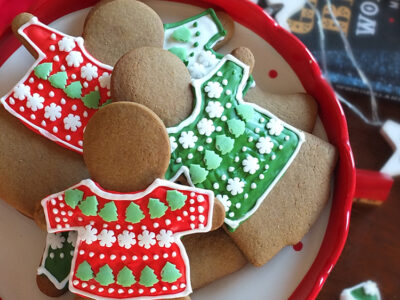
[372, 250]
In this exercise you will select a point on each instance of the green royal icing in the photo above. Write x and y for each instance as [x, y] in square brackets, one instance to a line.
[212, 160]
[58, 261]
[125, 277]
[147, 277]
[84, 271]
[109, 212]
[74, 90]
[92, 99]
[176, 200]
[246, 171]
[360, 294]
[73, 197]
[156, 208]
[89, 206]
[198, 174]
[170, 273]
[134, 214]
[105, 276]
[180, 52]
[59, 80]
[43, 70]
[182, 34]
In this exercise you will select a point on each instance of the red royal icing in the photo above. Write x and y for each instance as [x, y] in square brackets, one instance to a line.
[97, 250]
[46, 109]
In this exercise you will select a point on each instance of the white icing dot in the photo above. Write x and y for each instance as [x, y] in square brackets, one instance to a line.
[67, 226]
[244, 149]
[21, 109]
[219, 73]
[200, 209]
[164, 288]
[287, 138]
[55, 211]
[165, 255]
[102, 256]
[60, 197]
[120, 291]
[56, 58]
[80, 143]
[12, 101]
[84, 284]
[231, 214]
[91, 254]
[123, 257]
[262, 120]
[71, 252]
[224, 118]
[63, 101]
[111, 290]
[105, 225]
[250, 139]
[75, 282]
[85, 84]
[85, 114]
[155, 257]
[109, 94]
[31, 80]
[231, 169]
[253, 186]
[62, 205]
[202, 219]
[74, 107]
[59, 226]
[246, 196]
[92, 287]
[192, 194]
[80, 220]
[174, 254]
[117, 226]
[266, 167]
[33, 117]
[191, 201]
[101, 290]
[130, 227]
[209, 140]
[73, 76]
[238, 205]
[51, 255]
[130, 291]
[62, 68]
[178, 160]
[96, 88]
[53, 201]
[261, 176]
[185, 213]
[53, 36]
[257, 130]
[156, 225]
[144, 227]
[228, 92]
[179, 218]
[134, 257]
[63, 213]
[52, 48]
[273, 157]
[145, 257]
[141, 291]
[192, 209]
[167, 222]
[216, 185]
[182, 286]
[81, 252]
[192, 218]
[200, 148]
[192, 225]
[190, 156]
[228, 105]
[218, 129]
[57, 219]
[225, 82]
[70, 213]
[280, 147]
[223, 177]
[237, 159]
[68, 137]
[40, 86]
[153, 290]
[200, 198]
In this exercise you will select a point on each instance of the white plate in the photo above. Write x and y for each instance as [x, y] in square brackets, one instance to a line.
[22, 241]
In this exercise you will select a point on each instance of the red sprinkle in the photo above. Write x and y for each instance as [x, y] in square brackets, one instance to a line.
[298, 246]
[391, 20]
[273, 74]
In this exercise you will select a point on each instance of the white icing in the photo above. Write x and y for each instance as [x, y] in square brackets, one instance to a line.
[235, 186]
[213, 89]
[55, 241]
[390, 132]
[106, 238]
[88, 234]
[126, 239]
[250, 164]
[35, 102]
[72, 122]
[275, 127]
[165, 238]
[205, 127]
[74, 58]
[173, 143]
[224, 199]
[52, 112]
[105, 80]
[188, 139]
[146, 239]
[264, 145]
[89, 71]
[22, 91]
[214, 109]
[66, 44]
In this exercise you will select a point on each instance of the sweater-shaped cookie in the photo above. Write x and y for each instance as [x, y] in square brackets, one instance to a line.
[63, 88]
[129, 244]
[236, 149]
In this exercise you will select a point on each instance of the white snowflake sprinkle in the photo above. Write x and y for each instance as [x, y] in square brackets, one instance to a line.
[74, 58]
[89, 72]
[21, 91]
[235, 186]
[224, 199]
[213, 89]
[205, 127]
[55, 240]
[105, 80]
[35, 102]
[264, 145]
[72, 122]
[126, 239]
[165, 238]
[173, 143]
[275, 127]
[52, 112]
[66, 44]
[106, 238]
[146, 239]
[250, 164]
[72, 237]
[88, 234]
[188, 139]
[214, 109]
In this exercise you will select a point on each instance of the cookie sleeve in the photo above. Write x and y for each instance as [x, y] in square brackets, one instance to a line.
[64, 210]
[192, 209]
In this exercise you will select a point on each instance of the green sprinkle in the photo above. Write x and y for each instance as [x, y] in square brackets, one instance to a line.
[180, 52]
[175, 199]
[147, 277]
[156, 208]
[197, 173]
[212, 160]
[43, 70]
[92, 99]
[195, 24]
[74, 90]
[134, 214]
[105, 276]
[170, 273]
[197, 33]
[196, 44]
[224, 144]
[84, 271]
[109, 212]
[73, 197]
[182, 34]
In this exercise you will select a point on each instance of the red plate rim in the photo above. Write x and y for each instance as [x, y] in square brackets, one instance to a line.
[309, 73]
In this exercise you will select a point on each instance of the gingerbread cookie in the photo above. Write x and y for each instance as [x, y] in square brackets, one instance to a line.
[147, 223]
[155, 78]
[113, 28]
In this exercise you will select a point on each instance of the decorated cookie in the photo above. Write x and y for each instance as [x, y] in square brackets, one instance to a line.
[234, 148]
[367, 290]
[157, 79]
[113, 28]
[62, 90]
[113, 226]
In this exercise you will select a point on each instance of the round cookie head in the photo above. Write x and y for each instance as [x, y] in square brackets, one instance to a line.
[246, 56]
[115, 27]
[157, 79]
[126, 147]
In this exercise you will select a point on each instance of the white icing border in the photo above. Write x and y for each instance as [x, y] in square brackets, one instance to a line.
[197, 83]
[41, 55]
[130, 197]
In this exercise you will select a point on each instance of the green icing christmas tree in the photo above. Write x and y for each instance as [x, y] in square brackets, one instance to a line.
[175, 199]
[109, 212]
[105, 276]
[156, 208]
[59, 80]
[84, 271]
[147, 277]
[125, 277]
[74, 90]
[92, 99]
[73, 197]
[43, 70]
[89, 206]
[133, 213]
[170, 273]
